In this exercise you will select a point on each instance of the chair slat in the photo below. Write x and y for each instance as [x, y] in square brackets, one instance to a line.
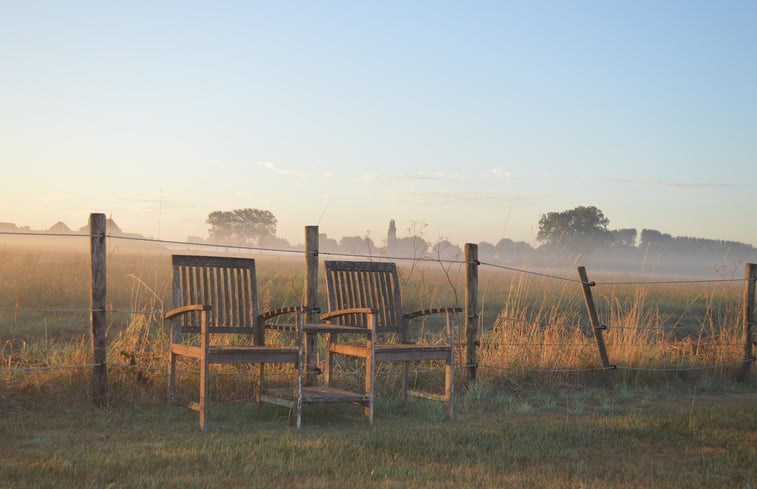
[224, 298]
[236, 281]
[365, 284]
[226, 284]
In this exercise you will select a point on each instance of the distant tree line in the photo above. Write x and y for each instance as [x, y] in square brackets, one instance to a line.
[582, 231]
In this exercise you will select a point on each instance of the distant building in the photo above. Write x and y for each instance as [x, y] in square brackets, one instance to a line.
[59, 228]
[8, 227]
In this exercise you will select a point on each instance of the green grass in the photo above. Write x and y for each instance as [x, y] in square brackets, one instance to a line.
[565, 439]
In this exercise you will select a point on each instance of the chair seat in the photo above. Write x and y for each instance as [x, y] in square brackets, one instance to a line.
[396, 352]
[252, 354]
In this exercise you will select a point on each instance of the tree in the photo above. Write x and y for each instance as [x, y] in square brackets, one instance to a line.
[445, 250]
[357, 245]
[510, 251]
[624, 238]
[241, 226]
[327, 244]
[577, 229]
[652, 237]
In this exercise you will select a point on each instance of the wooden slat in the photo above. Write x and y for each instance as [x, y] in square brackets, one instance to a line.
[333, 328]
[349, 294]
[205, 294]
[177, 298]
[239, 308]
[427, 395]
[254, 354]
[394, 355]
[349, 349]
[314, 394]
[383, 300]
[190, 295]
[250, 290]
[224, 295]
[396, 306]
[186, 350]
[244, 296]
[286, 402]
[362, 294]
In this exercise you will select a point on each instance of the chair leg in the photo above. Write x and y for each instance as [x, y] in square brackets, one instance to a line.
[259, 387]
[403, 387]
[370, 381]
[449, 388]
[329, 363]
[171, 377]
[298, 401]
[204, 385]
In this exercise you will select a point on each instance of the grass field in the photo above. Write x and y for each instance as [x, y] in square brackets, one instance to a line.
[539, 415]
[561, 438]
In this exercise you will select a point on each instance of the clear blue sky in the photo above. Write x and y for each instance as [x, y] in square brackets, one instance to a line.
[473, 118]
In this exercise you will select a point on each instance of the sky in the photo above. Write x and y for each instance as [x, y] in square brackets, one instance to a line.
[459, 120]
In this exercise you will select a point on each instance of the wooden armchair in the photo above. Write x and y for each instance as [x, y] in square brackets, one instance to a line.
[375, 285]
[218, 296]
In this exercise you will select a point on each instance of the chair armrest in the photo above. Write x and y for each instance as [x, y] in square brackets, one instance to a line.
[449, 311]
[435, 310]
[369, 330]
[344, 312]
[185, 309]
[286, 310]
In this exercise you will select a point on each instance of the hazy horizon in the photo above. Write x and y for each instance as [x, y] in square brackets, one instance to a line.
[379, 240]
[473, 119]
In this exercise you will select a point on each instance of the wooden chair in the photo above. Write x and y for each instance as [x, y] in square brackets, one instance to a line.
[375, 285]
[215, 296]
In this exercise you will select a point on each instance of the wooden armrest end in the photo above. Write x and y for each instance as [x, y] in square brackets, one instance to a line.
[287, 310]
[435, 310]
[344, 312]
[185, 309]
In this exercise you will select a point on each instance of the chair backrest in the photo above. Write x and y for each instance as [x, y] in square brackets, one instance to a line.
[226, 284]
[365, 284]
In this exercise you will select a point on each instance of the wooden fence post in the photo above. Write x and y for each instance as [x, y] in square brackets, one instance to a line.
[311, 300]
[471, 308]
[749, 289]
[594, 318]
[97, 308]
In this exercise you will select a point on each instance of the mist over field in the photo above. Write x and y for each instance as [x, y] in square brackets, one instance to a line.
[653, 253]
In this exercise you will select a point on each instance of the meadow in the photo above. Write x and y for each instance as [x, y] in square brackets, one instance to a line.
[541, 411]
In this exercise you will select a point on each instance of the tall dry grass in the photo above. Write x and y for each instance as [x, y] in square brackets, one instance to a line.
[654, 327]
[527, 323]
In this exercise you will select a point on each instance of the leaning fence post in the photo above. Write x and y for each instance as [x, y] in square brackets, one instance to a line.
[749, 289]
[597, 328]
[97, 308]
[471, 307]
[311, 299]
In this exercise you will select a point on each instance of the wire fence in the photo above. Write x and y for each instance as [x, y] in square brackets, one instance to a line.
[12, 358]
